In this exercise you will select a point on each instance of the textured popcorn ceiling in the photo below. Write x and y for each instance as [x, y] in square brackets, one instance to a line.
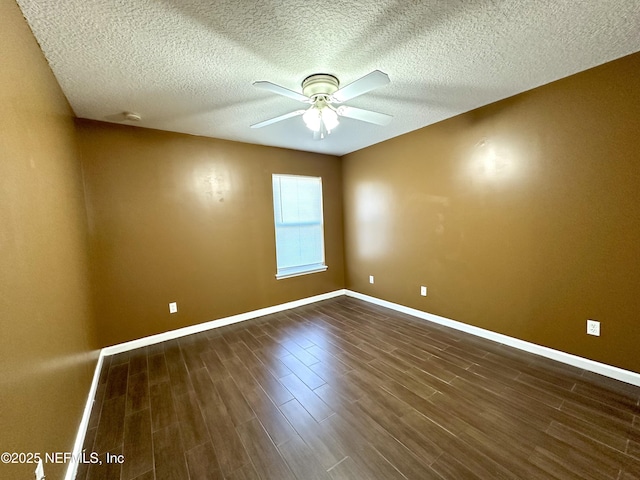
[187, 66]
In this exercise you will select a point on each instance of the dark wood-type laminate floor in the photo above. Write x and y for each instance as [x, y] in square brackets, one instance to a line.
[342, 389]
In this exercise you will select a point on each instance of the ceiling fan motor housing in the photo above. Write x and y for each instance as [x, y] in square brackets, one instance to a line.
[320, 84]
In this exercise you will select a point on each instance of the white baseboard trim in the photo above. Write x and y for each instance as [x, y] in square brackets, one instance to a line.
[221, 322]
[72, 468]
[584, 363]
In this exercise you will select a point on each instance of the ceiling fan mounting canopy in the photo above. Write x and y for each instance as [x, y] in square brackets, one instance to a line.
[320, 84]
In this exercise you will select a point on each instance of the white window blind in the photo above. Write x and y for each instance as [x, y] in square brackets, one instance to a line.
[297, 206]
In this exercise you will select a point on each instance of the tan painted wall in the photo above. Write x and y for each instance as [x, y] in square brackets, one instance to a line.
[189, 219]
[522, 217]
[46, 331]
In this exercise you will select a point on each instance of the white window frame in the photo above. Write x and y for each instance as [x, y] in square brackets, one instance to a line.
[301, 269]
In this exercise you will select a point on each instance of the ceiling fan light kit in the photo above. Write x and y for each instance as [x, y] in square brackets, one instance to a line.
[321, 117]
[322, 91]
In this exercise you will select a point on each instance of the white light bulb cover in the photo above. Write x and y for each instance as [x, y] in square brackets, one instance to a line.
[312, 119]
[329, 118]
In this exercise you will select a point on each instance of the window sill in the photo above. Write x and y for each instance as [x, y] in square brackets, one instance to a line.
[296, 272]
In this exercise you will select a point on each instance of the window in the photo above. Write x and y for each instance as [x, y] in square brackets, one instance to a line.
[297, 207]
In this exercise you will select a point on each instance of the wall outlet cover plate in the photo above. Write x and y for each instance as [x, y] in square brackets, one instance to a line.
[593, 327]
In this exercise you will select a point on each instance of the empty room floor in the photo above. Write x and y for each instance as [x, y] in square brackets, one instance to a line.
[343, 389]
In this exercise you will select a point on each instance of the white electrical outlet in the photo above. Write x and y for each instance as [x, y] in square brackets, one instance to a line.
[593, 327]
[370, 278]
[173, 307]
[423, 291]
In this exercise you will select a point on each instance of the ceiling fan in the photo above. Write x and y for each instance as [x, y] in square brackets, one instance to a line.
[322, 91]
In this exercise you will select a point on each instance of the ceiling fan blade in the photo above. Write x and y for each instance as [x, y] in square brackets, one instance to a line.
[285, 92]
[364, 115]
[365, 84]
[278, 119]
